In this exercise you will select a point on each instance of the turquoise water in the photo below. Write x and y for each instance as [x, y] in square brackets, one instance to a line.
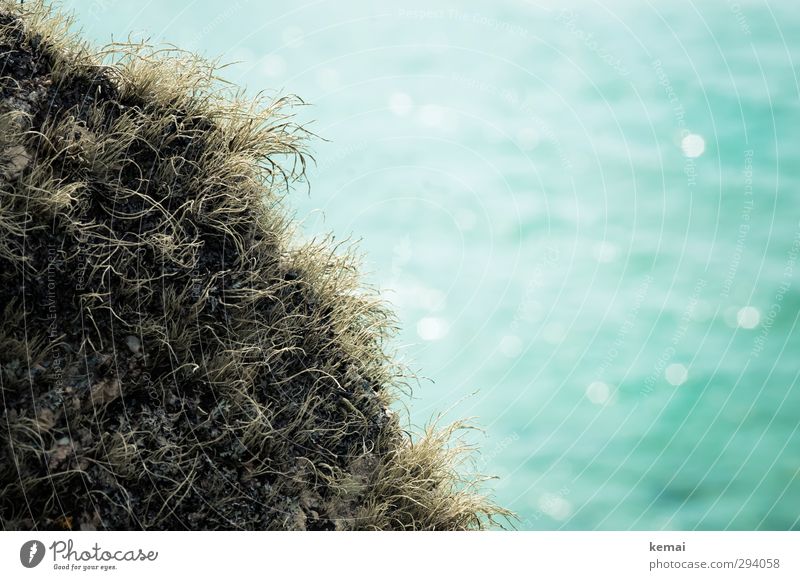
[586, 217]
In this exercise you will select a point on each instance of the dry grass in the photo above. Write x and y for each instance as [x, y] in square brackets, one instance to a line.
[168, 358]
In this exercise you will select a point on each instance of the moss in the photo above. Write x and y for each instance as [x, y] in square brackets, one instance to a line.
[169, 359]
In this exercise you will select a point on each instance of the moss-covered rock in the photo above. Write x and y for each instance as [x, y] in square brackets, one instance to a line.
[168, 358]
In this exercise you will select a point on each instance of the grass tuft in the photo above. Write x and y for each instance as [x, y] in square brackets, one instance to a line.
[169, 358]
